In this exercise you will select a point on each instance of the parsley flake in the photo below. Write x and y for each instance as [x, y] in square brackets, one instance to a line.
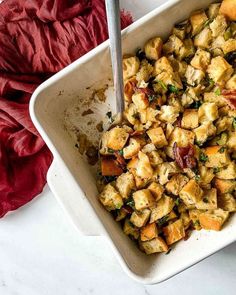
[217, 91]
[203, 157]
[173, 89]
[222, 149]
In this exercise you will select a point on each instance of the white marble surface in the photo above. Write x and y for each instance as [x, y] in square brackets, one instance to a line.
[42, 254]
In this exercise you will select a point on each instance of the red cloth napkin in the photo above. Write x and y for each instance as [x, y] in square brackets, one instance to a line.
[37, 39]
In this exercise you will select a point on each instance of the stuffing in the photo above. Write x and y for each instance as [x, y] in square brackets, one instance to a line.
[187, 50]
[231, 143]
[190, 119]
[176, 183]
[231, 83]
[213, 97]
[166, 78]
[227, 202]
[157, 190]
[165, 170]
[168, 114]
[213, 10]
[201, 59]
[203, 132]
[225, 186]
[117, 138]
[125, 184]
[162, 65]
[228, 172]
[194, 216]
[153, 48]
[213, 220]
[145, 71]
[178, 66]
[173, 45]
[149, 232]
[157, 137]
[163, 207]
[182, 137]
[154, 246]
[206, 175]
[208, 201]
[218, 26]
[217, 156]
[191, 193]
[132, 148]
[229, 46]
[228, 9]
[143, 199]
[130, 230]
[197, 20]
[131, 114]
[174, 232]
[140, 219]
[155, 158]
[208, 111]
[140, 100]
[110, 198]
[219, 70]
[144, 168]
[194, 76]
[203, 39]
[130, 67]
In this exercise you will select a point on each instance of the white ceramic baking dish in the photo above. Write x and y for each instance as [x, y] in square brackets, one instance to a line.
[71, 178]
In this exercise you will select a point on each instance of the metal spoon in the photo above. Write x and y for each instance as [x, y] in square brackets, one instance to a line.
[114, 30]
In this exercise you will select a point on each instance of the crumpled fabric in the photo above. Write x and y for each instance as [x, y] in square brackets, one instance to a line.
[37, 39]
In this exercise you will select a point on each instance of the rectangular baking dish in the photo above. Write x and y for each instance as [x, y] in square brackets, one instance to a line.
[71, 178]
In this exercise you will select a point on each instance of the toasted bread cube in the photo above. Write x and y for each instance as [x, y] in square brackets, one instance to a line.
[110, 198]
[194, 76]
[219, 70]
[140, 219]
[224, 186]
[203, 39]
[184, 216]
[190, 119]
[231, 83]
[131, 114]
[132, 148]
[144, 168]
[117, 138]
[206, 175]
[174, 232]
[213, 220]
[182, 137]
[231, 143]
[165, 170]
[130, 229]
[153, 48]
[169, 114]
[172, 45]
[163, 207]
[157, 137]
[110, 167]
[204, 131]
[143, 199]
[149, 232]
[209, 200]
[121, 214]
[130, 67]
[217, 156]
[144, 72]
[151, 114]
[228, 8]
[155, 245]
[229, 46]
[194, 216]
[186, 50]
[227, 202]
[176, 183]
[156, 189]
[197, 20]
[228, 172]
[125, 184]
[218, 26]
[140, 100]
[155, 158]
[133, 163]
[213, 10]
[161, 65]
[208, 111]
[191, 193]
[139, 182]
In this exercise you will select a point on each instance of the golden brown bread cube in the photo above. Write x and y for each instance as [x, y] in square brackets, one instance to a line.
[125, 183]
[174, 232]
[130, 67]
[155, 245]
[208, 111]
[132, 148]
[217, 156]
[227, 202]
[156, 189]
[204, 131]
[110, 198]
[228, 8]
[228, 172]
[162, 208]
[224, 186]
[157, 137]
[229, 46]
[203, 39]
[184, 216]
[143, 199]
[213, 220]
[176, 183]
[194, 216]
[219, 70]
[130, 229]
[140, 218]
[209, 200]
[218, 26]
[197, 20]
[201, 59]
[182, 137]
[117, 138]
[144, 168]
[191, 193]
[140, 100]
[153, 48]
[149, 232]
[190, 119]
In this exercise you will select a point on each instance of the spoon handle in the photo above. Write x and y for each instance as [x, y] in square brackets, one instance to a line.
[114, 30]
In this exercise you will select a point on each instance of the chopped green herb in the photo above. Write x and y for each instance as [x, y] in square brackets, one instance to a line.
[177, 201]
[111, 151]
[197, 177]
[217, 91]
[207, 22]
[199, 143]
[173, 89]
[163, 220]
[130, 203]
[223, 139]
[211, 82]
[163, 85]
[222, 149]
[234, 123]
[119, 205]
[227, 34]
[196, 223]
[216, 169]
[205, 200]
[168, 251]
[195, 105]
[121, 152]
[152, 97]
[203, 157]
